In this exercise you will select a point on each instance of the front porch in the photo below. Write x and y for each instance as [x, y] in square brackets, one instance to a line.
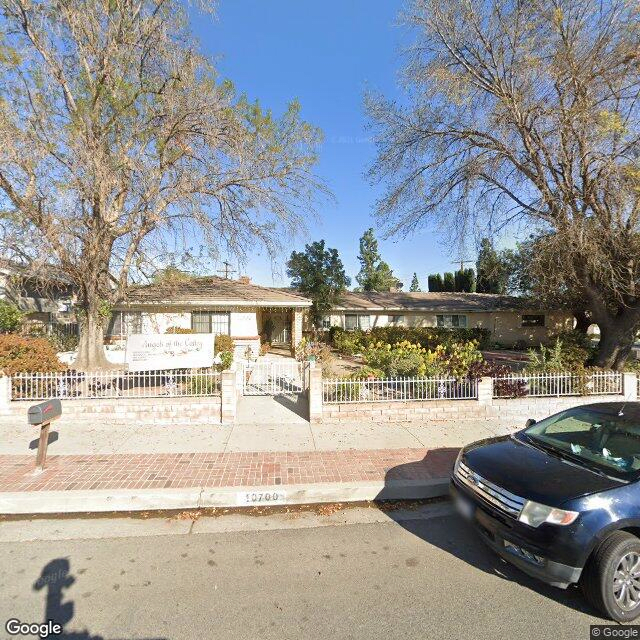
[281, 329]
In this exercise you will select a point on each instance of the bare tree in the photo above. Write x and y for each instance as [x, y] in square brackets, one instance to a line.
[120, 143]
[526, 111]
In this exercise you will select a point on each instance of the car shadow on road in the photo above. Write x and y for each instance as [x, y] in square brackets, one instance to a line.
[453, 534]
[54, 580]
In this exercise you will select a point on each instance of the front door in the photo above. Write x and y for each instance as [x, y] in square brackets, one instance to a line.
[280, 328]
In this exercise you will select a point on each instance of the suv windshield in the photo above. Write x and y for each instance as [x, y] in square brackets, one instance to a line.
[600, 439]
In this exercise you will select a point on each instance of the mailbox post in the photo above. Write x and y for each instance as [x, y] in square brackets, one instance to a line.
[41, 415]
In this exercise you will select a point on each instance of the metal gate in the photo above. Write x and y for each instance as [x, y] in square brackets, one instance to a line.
[273, 378]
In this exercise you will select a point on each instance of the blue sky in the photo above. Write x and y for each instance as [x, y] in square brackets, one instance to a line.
[326, 54]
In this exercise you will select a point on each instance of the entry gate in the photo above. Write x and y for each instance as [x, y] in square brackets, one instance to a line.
[273, 378]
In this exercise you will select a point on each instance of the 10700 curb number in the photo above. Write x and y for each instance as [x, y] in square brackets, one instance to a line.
[261, 497]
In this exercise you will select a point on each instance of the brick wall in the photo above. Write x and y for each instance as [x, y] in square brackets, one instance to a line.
[157, 411]
[504, 412]
[507, 412]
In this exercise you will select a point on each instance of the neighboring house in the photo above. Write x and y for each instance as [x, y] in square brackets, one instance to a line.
[46, 303]
[510, 319]
[209, 304]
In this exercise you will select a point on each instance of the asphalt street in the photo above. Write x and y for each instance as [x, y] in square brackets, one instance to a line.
[423, 578]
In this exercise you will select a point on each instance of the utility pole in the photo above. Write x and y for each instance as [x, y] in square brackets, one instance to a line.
[227, 270]
[463, 262]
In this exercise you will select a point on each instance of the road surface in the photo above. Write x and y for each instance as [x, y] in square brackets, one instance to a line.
[425, 578]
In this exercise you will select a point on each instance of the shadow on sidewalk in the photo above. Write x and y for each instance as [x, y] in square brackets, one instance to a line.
[54, 580]
[454, 535]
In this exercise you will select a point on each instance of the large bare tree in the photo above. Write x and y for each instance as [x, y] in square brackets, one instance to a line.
[120, 142]
[526, 111]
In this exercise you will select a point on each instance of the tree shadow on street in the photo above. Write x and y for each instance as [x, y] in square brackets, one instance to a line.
[54, 580]
[453, 534]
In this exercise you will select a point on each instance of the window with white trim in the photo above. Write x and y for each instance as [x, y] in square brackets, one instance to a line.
[210, 322]
[326, 322]
[451, 321]
[354, 321]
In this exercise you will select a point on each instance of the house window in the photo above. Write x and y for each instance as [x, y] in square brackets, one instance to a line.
[396, 321]
[533, 320]
[353, 321]
[451, 321]
[210, 322]
[326, 322]
[132, 322]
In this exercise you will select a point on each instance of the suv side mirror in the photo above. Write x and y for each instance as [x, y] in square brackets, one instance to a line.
[529, 423]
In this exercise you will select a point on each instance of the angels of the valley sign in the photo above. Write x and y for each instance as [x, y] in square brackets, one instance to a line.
[147, 352]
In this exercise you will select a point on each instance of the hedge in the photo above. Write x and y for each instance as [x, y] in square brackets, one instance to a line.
[426, 337]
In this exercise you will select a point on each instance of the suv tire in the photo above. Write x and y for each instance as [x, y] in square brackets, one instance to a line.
[611, 561]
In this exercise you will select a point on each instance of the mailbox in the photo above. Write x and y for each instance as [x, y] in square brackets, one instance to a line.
[41, 415]
[44, 412]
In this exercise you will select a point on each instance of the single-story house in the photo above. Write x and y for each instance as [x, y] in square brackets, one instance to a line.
[47, 303]
[510, 319]
[209, 304]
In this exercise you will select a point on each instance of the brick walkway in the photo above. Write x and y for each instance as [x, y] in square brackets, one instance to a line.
[135, 471]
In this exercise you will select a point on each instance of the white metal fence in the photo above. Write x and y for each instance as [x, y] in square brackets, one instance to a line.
[398, 389]
[558, 384]
[273, 377]
[77, 385]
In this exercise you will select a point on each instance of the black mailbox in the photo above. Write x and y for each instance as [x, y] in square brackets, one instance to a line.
[44, 412]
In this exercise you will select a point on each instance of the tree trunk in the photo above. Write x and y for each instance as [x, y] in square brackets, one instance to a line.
[91, 355]
[616, 339]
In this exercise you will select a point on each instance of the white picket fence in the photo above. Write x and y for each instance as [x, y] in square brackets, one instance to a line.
[77, 385]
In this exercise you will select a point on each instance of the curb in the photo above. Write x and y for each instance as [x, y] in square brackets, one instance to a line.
[87, 501]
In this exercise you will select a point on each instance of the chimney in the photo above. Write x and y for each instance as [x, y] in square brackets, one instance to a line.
[244, 280]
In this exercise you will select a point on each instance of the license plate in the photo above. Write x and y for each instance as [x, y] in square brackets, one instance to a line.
[465, 508]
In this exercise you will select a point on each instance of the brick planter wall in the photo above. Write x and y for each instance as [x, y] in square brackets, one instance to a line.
[511, 412]
[157, 411]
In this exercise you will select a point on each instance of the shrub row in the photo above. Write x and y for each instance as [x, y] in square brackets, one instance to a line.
[350, 342]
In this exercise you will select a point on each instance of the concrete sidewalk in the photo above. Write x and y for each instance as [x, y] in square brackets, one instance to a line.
[94, 467]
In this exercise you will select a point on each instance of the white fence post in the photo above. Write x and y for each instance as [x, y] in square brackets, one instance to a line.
[5, 393]
[630, 386]
[229, 395]
[485, 390]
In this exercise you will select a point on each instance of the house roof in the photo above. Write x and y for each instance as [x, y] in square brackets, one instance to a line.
[432, 301]
[211, 291]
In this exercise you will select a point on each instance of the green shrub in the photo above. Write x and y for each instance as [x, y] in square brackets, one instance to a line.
[226, 360]
[350, 342]
[223, 343]
[568, 352]
[202, 385]
[62, 341]
[22, 354]
[10, 317]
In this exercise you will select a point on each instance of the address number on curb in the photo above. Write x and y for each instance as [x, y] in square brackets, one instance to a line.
[249, 498]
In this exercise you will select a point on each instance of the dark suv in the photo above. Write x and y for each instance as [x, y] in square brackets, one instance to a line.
[561, 501]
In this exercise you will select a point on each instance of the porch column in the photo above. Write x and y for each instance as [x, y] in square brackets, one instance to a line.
[296, 327]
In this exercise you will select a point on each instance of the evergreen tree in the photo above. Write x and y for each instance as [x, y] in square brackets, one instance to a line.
[415, 285]
[449, 282]
[435, 283]
[375, 274]
[318, 273]
[492, 269]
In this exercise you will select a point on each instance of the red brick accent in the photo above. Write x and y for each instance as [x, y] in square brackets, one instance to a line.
[143, 471]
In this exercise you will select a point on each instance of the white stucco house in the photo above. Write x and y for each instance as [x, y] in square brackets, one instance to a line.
[249, 313]
[510, 319]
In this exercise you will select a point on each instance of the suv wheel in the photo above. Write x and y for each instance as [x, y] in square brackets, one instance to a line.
[611, 580]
